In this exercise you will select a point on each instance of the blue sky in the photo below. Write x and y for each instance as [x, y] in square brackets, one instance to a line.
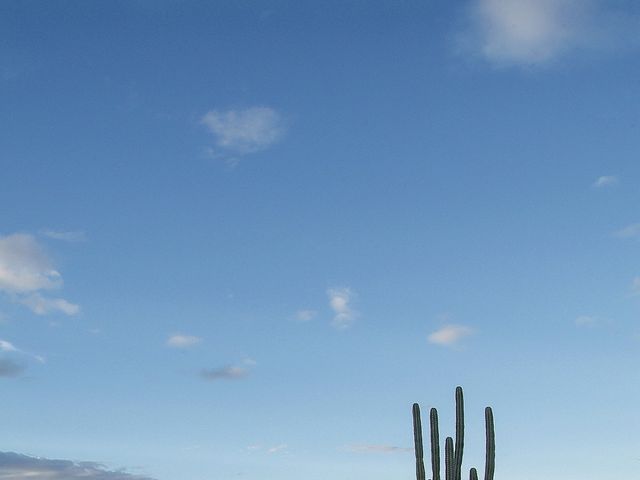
[239, 239]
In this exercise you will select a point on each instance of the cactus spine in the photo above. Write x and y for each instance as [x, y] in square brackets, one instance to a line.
[452, 453]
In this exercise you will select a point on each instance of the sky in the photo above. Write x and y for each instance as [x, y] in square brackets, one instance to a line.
[239, 239]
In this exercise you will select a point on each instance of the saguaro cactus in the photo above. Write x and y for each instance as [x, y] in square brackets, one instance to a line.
[452, 454]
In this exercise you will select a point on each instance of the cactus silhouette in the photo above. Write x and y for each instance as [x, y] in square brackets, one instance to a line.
[452, 453]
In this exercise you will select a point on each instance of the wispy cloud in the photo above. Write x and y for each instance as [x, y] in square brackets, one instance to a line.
[65, 236]
[281, 448]
[43, 306]
[635, 286]
[526, 32]
[25, 270]
[376, 449]
[8, 347]
[14, 466]
[179, 340]
[606, 181]
[449, 335]
[339, 301]
[241, 132]
[630, 231]
[10, 368]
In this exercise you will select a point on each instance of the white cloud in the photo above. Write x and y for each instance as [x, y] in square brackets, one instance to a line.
[182, 341]
[606, 181]
[24, 266]
[630, 231]
[635, 286]
[8, 347]
[377, 449]
[339, 301]
[305, 315]
[527, 32]
[240, 132]
[25, 270]
[43, 306]
[65, 236]
[449, 334]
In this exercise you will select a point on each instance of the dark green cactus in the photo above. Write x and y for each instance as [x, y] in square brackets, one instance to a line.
[457, 470]
[452, 453]
[417, 439]
[448, 458]
[435, 444]
[490, 461]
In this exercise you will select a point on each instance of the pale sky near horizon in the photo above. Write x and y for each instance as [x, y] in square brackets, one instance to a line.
[238, 239]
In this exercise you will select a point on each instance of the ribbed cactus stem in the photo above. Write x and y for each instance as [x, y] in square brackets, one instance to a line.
[448, 458]
[457, 468]
[435, 444]
[417, 439]
[490, 461]
[473, 474]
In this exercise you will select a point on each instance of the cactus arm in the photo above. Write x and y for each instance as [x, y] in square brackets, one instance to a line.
[448, 458]
[490, 462]
[435, 444]
[417, 439]
[457, 468]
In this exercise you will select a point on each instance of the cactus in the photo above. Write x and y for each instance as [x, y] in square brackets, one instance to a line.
[457, 470]
[452, 453]
[435, 445]
[490, 461]
[417, 438]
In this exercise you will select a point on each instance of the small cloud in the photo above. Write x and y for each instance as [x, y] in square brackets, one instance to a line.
[230, 372]
[43, 306]
[24, 265]
[630, 231]
[271, 450]
[277, 448]
[241, 132]
[14, 466]
[182, 341]
[7, 346]
[586, 321]
[65, 236]
[25, 270]
[305, 315]
[10, 368]
[537, 32]
[339, 301]
[635, 286]
[449, 335]
[377, 449]
[606, 181]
